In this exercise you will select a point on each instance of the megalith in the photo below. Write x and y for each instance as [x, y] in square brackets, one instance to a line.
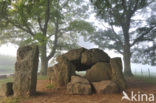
[105, 87]
[92, 56]
[26, 68]
[99, 72]
[60, 74]
[74, 57]
[117, 75]
[79, 86]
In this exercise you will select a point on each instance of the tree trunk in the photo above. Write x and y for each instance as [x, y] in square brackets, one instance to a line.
[127, 59]
[126, 49]
[44, 61]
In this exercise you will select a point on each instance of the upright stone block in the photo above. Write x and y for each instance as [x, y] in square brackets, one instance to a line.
[117, 75]
[26, 68]
[61, 73]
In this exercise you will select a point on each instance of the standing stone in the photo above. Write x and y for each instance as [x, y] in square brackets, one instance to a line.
[98, 72]
[6, 89]
[117, 75]
[79, 86]
[26, 68]
[61, 73]
[105, 87]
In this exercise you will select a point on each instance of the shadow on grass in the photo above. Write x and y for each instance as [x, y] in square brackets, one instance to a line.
[40, 94]
[141, 82]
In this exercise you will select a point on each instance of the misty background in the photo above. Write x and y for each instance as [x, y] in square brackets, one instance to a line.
[78, 35]
[8, 59]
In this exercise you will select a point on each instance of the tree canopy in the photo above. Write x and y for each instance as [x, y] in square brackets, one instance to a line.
[119, 14]
[54, 25]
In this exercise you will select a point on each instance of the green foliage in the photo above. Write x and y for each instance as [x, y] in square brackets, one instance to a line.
[50, 86]
[10, 100]
[108, 39]
[41, 38]
[45, 23]
[27, 19]
[116, 11]
[80, 26]
[146, 52]
[10, 79]
[41, 77]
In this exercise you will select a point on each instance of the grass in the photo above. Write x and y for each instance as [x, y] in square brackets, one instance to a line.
[10, 100]
[41, 77]
[15, 99]
[10, 79]
[5, 80]
[149, 80]
[50, 86]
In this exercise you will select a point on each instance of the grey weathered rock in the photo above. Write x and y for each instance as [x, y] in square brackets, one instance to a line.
[117, 75]
[92, 56]
[74, 56]
[99, 68]
[79, 86]
[60, 74]
[6, 89]
[98, 72]
[26, 68]
[105, 87]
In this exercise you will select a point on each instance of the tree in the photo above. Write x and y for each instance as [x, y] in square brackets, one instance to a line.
[146, 52]
[49, 23]
[118, 13]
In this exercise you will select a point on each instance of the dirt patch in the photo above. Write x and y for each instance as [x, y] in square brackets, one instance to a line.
[46, 95]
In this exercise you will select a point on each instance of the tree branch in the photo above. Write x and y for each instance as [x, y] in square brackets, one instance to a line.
[124, 5]
[55, 41]
[47, 17]
[39, 23]
[141, 37]
[65, 3]
[132, 11]
[117, 37]
[115, 34]
[28, 30]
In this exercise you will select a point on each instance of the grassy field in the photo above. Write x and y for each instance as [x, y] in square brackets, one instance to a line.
[5, 80]
[149, 80]
[15, 99]
[40, 77]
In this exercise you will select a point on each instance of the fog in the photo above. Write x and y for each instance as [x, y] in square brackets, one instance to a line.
[8, 59]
